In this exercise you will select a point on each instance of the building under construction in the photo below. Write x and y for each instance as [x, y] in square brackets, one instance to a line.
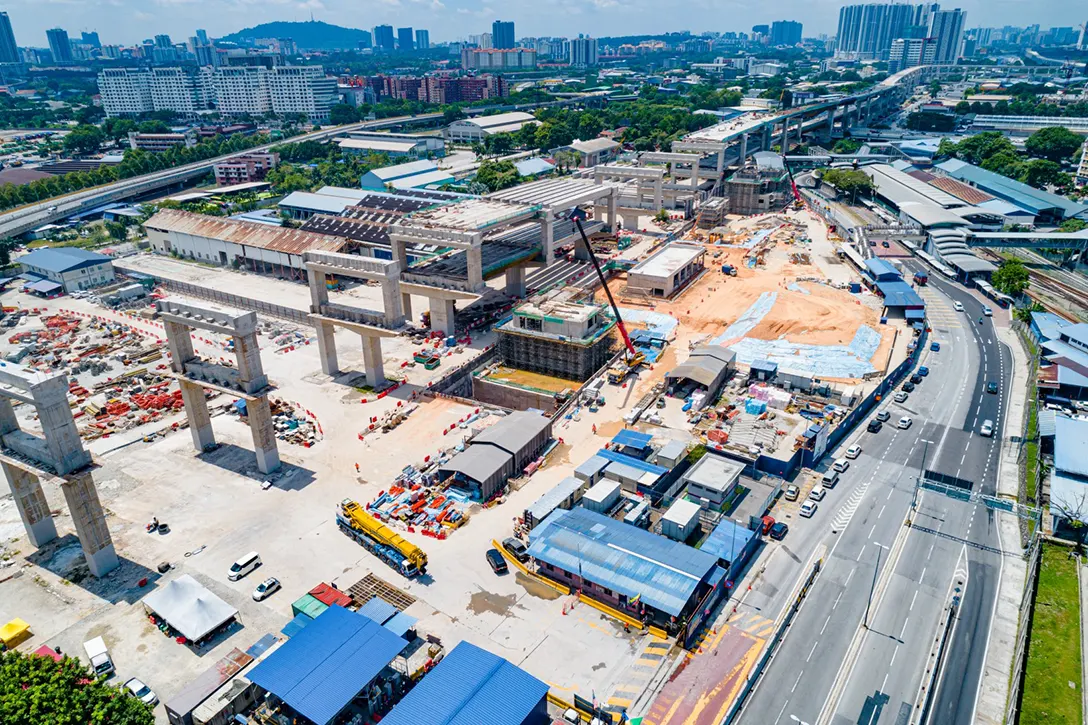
[560, 339]
[762, 185]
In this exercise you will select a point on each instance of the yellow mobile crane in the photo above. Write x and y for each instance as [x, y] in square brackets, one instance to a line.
[380, 540]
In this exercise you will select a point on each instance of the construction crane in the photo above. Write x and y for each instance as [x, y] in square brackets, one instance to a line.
[798, 202]
[380, 540]
[632, 358]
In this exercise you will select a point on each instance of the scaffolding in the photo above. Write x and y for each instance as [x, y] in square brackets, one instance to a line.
[569, 359]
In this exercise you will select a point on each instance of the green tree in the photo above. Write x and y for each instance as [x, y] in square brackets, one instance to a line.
[451, 114]
[497, 175]
[1006, 163]
[36, 690]
[84, 140]
[849, 181]
[976, 149]
[153, 125]
[342, 113]
[1073, 225]
[117, 231]
[920, 121]
[1011, 277]
[846, 146]
[499, 144]
[1041, 173]
[1055, 143]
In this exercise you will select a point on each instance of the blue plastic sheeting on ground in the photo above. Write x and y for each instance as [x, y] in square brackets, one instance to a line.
[824, 361]
[656, 321]
[795, 287]
[748, 319]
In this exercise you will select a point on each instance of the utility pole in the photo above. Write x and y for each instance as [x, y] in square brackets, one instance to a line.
[872, 587]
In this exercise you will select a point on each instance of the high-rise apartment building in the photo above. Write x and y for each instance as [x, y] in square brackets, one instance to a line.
[163, 41]
[302, 89]
[383, 38]
[785, 32]
[405, 39]
[59, 45]
[423, 40]
[497, 60]
[366, 40]
[946, 29]
[502, 34]
[583, 51]
[204, 53]
[125, 91]
[183, 90]
[202, 36]
[867, 31]
[91, 39]
[242, 89]
[9, 51]
[909, 52]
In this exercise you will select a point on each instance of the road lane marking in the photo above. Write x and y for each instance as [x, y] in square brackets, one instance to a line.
[923, 576]
[781, 711]
[840, 593]
[872, 530]
[814, 644]
[881, 511]
[904, 630]
[799, 674]
[825, 624]
[859, 555]
[912, 600]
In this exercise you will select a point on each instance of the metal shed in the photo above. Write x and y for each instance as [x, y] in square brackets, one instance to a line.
[565, 495]
[708, 366]
[602, 498]
[483, 469]
[472, 686]
[681, 520]
[592, 470]
[522, 434]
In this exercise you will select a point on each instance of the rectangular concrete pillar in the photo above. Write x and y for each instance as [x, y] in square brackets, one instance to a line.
[90, 522]
[319, 292]
[264, 435]
[180, 343]
[8, 422]
[658, 194]
[196, 410]
[400, 253]
[547, 237]
[372, 358]
[26, 491]
[58, 427]
[392, 302]
[406, 305]
[743, 149]
[612, 216]
[721, 163]
[768, 132]
[515, 281]
[475, 258]
[326, 348]
[250, 369]
[442, 315]
[830, 122]
[784, 140]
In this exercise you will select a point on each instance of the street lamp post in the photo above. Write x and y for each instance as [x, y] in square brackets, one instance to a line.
[872, 587]
[921, 474]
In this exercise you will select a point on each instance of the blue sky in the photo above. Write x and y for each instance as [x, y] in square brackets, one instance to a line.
[126, 22]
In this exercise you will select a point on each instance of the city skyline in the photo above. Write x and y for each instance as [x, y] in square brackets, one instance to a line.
[122, 23]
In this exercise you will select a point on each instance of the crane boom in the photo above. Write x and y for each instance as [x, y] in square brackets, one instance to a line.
[631, 352]
[798, 202]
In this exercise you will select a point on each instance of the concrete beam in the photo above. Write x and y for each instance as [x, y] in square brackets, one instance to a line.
[358, 327]
[223, 321]
[425, 290]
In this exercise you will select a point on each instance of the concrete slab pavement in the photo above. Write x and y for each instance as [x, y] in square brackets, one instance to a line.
[994, 685]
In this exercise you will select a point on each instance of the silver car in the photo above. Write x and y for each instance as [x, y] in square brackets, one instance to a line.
[265, 589]
[141, 691]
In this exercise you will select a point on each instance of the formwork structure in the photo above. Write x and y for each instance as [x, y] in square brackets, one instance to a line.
[559, 339]
[246, 381]
[759, 186]
[712, 213]
[56, 455]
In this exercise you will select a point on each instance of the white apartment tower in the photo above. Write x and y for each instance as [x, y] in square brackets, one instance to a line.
[583, 51]
[242, 89]
[125, 91]
[183, 90]
[302, 89]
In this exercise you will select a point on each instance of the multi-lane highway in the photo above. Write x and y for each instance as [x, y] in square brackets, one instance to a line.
[831, 668]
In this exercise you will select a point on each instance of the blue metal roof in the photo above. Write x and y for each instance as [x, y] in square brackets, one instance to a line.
[378, 609]
[766, 366]
[532, 167]
[1070, 442]
[632, 462]
[632, 438]
[553, 498]
[662, 573]
[727, 540]
[400, 623]
[471, 686]
[319, 670]
[1056, 348]
[915, 314]
[1078, 332]
[899, 294]
[296, 625]
[1048, 323]
[1017, 192]
[878, 268]
[592, 466]
[62, 259]
[45, 286]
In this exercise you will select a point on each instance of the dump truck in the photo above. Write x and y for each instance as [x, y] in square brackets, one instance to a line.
[729, 270]
[380, 540]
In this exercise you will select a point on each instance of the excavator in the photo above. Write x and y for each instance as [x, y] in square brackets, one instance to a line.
[798, 202]
[632, 358]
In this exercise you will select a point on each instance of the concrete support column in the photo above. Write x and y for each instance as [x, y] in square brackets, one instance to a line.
[659, 193]
[443, 314]
[672, 169]
[515, 281]
[196, 409]
[400, 253]
[326, 348]
[264, 435]
[768, 132]
[547, 237]
[613, 202]
[8, 421]
[695, 175]
[248, 355]
[90, 522]
[180, 344]
[720, 166]
[26, 491]
[372, 357]
[319, 292]
[475, 258]
[743, 149]
[58, 427]
[784, 140]
[830, 122]
[393, 301]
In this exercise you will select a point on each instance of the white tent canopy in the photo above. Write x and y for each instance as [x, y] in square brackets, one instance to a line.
[189, 607]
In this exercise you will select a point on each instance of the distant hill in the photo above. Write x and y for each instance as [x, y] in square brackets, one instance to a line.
[311, 35]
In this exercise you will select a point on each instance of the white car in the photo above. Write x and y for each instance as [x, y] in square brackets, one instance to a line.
[853, 452]
[817, 494]
[957, 306]
[808, 508]
[904, 422]
[987, 429]
[987, 311]
[142, 691]
[900, 397]
[265, 589]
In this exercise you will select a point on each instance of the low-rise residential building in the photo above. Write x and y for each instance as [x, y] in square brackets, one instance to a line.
[49, 271]
[158, 142]
[244, 169]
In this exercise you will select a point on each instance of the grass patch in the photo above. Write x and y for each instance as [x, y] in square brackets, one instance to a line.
[1054, 653]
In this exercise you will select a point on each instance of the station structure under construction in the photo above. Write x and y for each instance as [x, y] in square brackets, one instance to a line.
[560, 339]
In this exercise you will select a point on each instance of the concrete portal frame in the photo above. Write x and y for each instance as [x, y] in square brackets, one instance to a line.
[57, 455]
[642, 176]
[369, 325]
[193, 374]
[704, 147]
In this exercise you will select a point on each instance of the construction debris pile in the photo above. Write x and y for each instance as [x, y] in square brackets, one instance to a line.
[428, 509]
[293, 423]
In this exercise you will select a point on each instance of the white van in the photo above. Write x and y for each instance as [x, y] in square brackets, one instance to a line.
[841, 465]
[244, 566]
[99, 656]
[830, 479]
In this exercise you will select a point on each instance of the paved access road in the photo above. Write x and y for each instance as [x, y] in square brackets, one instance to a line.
[829, 663]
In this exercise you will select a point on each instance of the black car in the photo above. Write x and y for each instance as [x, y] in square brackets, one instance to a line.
[916, 378]
[498, 564]
[517, 548]
[779, 531]
[875, 426]
[885, 244]
[883, 416]
[908, 386]
[991, 387]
